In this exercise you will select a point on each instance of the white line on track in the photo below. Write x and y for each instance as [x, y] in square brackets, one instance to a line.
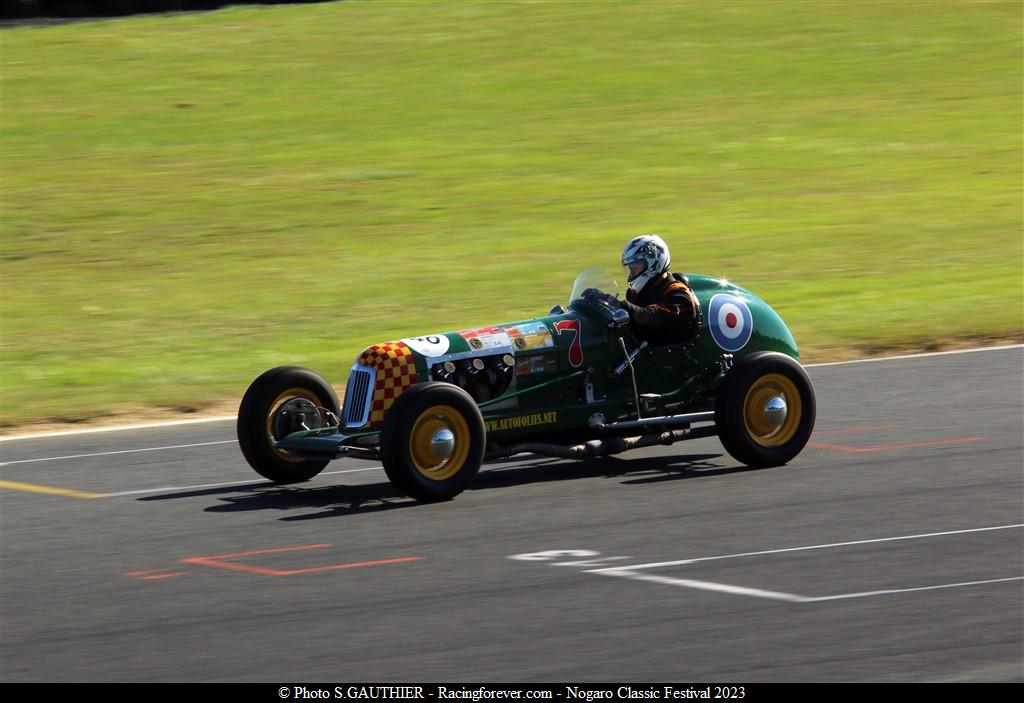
[225, 418]
[122, 451]
[792, 597]
[635, 572]
[682, 562]
[268, 484]
[708, 586]
[119, 428]
[891, 591]
[914, 356]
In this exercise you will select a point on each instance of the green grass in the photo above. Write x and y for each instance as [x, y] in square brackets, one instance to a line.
[188, 200]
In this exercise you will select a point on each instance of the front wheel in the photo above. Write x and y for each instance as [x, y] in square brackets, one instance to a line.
[281, 401]
[765, 409]
[432, 442]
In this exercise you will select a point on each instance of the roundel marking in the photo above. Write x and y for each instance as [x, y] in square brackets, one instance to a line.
[730, 321]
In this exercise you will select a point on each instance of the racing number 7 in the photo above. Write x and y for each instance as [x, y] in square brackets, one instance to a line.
[575, 349]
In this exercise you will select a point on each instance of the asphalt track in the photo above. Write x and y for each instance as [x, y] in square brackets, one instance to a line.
[892, 549]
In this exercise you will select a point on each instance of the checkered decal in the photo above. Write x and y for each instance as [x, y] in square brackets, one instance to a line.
[396, 371]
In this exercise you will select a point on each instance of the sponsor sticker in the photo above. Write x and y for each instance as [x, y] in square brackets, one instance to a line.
[514, 423]
[487, 338]
[730, 321]
[530, 335]
[536, 363]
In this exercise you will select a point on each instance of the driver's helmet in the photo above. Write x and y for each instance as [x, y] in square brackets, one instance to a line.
[645, 257]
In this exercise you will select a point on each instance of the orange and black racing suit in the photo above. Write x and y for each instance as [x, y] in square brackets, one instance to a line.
[664, 311]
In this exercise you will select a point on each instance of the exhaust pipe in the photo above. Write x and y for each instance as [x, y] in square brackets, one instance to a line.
[595, 447]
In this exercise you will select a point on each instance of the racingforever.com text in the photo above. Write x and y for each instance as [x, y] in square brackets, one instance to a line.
[412, 692]
[485, 693]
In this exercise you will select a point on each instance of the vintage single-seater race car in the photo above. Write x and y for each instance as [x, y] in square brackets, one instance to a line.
[575, 383]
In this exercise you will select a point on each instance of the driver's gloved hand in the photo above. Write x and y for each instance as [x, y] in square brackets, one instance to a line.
[593, 295]
[611, 301]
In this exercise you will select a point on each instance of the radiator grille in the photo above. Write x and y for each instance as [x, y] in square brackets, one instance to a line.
[358, 395]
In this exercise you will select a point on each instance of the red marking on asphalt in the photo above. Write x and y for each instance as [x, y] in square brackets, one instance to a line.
[217, 561]
[889, 447]
[857, 430]
[155, 574]
[276, 550]
[161, 577]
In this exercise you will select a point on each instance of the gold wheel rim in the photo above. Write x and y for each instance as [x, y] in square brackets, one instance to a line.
[421, 450]
[290, 394]
[759, 428]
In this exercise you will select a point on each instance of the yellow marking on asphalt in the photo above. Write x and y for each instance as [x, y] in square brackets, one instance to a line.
[33, 488]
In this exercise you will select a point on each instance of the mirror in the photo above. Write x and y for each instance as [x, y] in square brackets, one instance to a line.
[620, 318]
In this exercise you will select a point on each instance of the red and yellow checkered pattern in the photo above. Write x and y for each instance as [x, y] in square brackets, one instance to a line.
[396, 372]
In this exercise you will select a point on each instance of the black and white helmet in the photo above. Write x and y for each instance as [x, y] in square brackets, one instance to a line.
[645, 257]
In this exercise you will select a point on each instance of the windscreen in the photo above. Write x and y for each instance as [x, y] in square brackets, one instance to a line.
[594, 278]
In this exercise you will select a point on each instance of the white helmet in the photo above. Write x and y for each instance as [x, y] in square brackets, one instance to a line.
[645, 257]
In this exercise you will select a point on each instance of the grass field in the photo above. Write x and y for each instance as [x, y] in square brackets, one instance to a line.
[188, 200]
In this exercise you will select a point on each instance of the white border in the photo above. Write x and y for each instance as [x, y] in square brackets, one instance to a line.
[224, 418]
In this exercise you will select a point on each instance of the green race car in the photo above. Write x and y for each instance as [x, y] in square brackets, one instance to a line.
[575, 383]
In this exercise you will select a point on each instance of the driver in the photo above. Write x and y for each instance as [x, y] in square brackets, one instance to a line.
[662, 308]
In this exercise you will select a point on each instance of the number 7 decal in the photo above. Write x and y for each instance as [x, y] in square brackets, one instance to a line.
[575, 349]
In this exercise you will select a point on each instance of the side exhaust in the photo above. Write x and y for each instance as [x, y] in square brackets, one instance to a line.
[602, 447]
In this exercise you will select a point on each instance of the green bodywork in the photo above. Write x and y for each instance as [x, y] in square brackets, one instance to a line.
[562, 371]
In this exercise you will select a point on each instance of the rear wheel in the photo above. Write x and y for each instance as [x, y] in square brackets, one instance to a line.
[282, 401]
[765, 409]
[432, 443]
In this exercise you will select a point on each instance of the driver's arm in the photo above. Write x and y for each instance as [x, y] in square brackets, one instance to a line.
[675, 311]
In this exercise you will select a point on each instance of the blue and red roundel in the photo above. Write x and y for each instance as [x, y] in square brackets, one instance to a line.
[730, 321]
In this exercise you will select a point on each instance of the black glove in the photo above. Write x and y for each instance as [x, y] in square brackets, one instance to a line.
[593, 295]
[611, 301]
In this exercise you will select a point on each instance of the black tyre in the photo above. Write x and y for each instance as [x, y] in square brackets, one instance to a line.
[278, 403]
[765, 409]
[433, 441]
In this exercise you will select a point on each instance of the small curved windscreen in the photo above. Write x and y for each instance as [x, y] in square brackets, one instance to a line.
[594, 278]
